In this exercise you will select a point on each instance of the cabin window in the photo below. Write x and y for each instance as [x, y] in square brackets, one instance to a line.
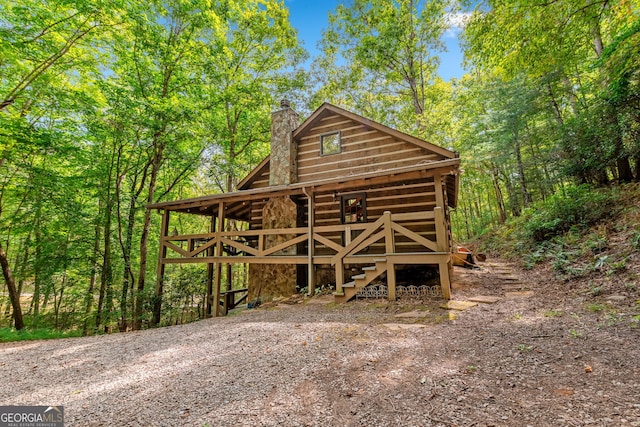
[354, 208]
[330, 143]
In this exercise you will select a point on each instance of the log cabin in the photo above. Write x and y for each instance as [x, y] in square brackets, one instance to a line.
[341, 199]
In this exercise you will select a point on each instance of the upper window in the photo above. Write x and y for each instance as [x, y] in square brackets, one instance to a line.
[330, 143]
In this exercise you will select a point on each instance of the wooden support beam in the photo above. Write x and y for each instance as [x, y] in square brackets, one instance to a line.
[339, 276]
[389, 240]
[164, 231]
[442, 240]
[311, 271]
[218, 264]
[391, 279]
[210, 252]
[271, 259]
[390, 245]
[445, 279]
[347, 235]
[441, 230]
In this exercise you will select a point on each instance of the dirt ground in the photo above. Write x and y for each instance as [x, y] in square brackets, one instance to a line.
[542, 355]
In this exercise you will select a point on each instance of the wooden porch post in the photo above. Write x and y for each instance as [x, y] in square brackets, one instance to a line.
[391, 280]
[164, 231]
[441, 232]
[441, 237]
[218, 253]
[389, 239]
[210, 251]
[437, 183]
[311, 278]
[390, 247]
[339, 277]
[441, 242]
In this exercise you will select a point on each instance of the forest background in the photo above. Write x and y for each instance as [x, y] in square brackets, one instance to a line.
[107, 106]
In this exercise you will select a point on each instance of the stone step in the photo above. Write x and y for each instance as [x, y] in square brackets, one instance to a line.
[513, 287]
[372, 268]
[518, 294]
[359, 276]
[485, 299]
[458, 305]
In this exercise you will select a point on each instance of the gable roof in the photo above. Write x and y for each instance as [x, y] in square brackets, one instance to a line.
[329, 108]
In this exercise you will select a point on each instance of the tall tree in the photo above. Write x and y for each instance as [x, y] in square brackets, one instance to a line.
[380, 58]
[559, 43]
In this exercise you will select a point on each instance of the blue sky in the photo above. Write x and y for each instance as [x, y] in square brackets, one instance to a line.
[309, 17]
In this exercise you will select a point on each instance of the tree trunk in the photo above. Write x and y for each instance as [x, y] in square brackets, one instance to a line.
[105, 298]
[466, 219]
[13, 292]
[622, 159]
[554, 105]
[106, 276]
[37, 265]
[623, 164]
[526, 196]
[144, 237]
[128, 280]
[514, 203]
[88, 301]
[127, 299]
[499, 197]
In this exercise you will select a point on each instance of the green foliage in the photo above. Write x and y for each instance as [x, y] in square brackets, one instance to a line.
[379, 58]
[596, 307]
[578, 207]
[635, 240]
[553, 313]
[574, 333]
[183, 299]
[523, 348]
[30, 334]
[594, 290]
[106, 108]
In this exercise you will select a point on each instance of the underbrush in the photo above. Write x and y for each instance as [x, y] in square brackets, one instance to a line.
[28, 334]
[590, 240]
[583, 233]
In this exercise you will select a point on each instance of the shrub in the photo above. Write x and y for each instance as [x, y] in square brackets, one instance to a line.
[579, 207]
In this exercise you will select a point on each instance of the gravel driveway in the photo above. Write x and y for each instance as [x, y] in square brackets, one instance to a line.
[315, 363]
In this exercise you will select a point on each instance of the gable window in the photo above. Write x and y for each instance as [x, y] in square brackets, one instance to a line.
[330, 143]
[353, 208]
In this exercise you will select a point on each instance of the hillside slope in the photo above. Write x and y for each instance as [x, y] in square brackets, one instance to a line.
[590, 240]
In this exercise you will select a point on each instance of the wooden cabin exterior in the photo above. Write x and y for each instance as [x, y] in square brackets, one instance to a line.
[338, 193]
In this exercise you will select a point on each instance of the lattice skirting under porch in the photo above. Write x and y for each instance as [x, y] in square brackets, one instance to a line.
[373, 291]
[404, 292]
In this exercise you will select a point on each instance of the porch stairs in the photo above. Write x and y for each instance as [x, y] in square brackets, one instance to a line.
[359, 281]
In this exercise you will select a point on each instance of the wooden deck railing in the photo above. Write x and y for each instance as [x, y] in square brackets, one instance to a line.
[250, 245]
[373, 241]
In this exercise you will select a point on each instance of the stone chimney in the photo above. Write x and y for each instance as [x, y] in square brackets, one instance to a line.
[268, 281]
[283, 163]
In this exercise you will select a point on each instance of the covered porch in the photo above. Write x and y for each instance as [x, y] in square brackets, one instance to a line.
[387, 238]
